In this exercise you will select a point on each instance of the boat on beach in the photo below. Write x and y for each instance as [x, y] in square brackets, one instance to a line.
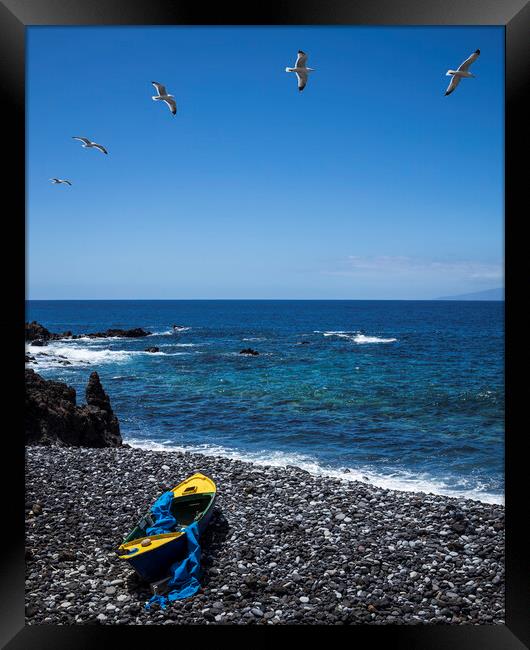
[151, 555]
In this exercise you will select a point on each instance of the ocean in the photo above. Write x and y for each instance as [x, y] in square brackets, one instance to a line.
[406, 395]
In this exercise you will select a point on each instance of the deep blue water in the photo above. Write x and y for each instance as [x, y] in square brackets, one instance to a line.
[407, 394]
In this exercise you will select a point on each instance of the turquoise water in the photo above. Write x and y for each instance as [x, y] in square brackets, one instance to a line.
[404, 394]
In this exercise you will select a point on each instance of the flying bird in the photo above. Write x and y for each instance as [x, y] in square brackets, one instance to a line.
[56, 181]
[89, 144]
[164, 96]
[461, 72]
[301, 70]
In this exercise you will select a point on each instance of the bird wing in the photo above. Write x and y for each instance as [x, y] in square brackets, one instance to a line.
[65, 181]
[301, 60]
[172, 105]
[452, 85]
[85, 140]
[100, 147]
[160, 89]
[302, 80]
[464, 66]
[54, 180]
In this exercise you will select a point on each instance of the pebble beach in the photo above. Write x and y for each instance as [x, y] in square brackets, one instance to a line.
[283, 546]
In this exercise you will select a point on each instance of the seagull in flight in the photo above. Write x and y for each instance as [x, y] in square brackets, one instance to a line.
[301, 70]
[89, 144]
[164, 96]
[56, 181]
[461, 72]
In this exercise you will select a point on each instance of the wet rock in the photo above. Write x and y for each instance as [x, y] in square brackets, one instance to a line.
[40, 335]
[35, 331]
[249, 351]
[134, 333]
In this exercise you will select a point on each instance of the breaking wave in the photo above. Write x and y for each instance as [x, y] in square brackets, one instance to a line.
[170, 331]
[356, 337]
[400, 480]
[55, 355]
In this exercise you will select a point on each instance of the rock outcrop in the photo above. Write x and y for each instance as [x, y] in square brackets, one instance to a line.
[40, 335]
[153, 348]
[135, 333]
[53, 418]
[249, 351]
[37, 332]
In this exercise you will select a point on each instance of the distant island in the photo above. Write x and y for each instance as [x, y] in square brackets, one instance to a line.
[488, 294]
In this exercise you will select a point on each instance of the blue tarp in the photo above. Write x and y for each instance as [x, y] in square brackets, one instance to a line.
[161, 512]
[185, 573]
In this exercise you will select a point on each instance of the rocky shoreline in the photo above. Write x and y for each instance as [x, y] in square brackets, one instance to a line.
[52, 416]
[38, 335]
[284, 547]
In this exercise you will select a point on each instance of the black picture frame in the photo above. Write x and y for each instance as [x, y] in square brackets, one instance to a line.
[514, 15]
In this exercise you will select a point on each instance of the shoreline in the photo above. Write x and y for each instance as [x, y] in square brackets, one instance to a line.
[457, 473]
[284, 546]
[272, 458]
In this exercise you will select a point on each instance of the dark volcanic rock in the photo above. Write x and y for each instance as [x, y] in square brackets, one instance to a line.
[40, 335]
[36, 331]
[153, 348]
[95, 395]
[52, 416]
[39, 342]
[135, 333]
[249, 351]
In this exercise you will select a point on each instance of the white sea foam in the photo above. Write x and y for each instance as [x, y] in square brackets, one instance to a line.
[54, 355]
[91, 339]
[361, 338]
[356, 337]
[399, 480]
[255, 338]
[170, 331]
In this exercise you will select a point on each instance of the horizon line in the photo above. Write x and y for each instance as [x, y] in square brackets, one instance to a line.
[441, 299]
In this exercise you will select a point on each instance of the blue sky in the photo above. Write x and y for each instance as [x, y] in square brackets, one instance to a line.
[368, 184]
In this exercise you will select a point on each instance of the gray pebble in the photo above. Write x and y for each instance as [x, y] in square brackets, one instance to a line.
[283, 548]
